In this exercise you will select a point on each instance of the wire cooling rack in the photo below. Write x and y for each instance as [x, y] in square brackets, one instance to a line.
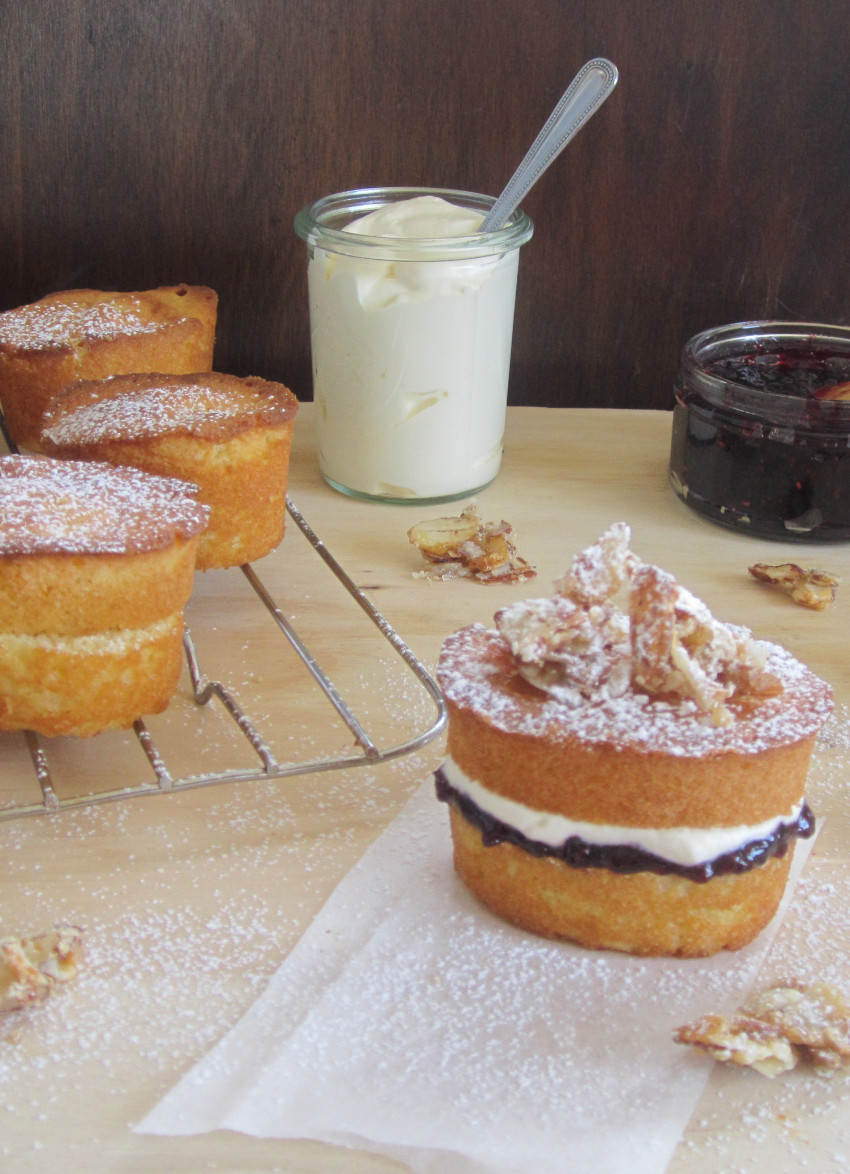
[161, 777]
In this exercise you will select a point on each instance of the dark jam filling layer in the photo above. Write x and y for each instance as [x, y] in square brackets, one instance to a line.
[805, 372]
[623, 858]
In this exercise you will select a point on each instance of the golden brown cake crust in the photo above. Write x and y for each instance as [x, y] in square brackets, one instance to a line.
[91, 334]
[639, 913]
[626, 763]
[73, 595]
[228, 435]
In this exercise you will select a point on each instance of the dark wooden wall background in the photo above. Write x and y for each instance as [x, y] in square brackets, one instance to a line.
[147, 142]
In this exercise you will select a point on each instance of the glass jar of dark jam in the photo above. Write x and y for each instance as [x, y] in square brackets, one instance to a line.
[761, 429]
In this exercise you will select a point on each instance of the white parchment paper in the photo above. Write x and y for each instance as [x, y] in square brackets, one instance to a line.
[410, 1021]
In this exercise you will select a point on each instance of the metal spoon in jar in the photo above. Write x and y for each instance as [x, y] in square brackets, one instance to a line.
[583, 97]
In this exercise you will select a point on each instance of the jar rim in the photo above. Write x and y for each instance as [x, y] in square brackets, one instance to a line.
[320, 224]
[739, 338]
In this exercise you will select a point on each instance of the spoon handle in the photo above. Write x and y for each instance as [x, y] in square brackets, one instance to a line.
[584, 95]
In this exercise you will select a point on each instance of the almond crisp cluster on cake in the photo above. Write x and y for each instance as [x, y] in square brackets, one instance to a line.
[626, 777]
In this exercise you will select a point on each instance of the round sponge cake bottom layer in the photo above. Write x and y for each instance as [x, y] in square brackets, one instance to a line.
[83, 685]
[638, 913]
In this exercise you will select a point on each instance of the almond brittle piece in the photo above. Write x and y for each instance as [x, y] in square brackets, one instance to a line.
[679, 649]
[838, 391]
[441, 538]
[778, 1029]
[740, 1040]
[31, 967]
[809, 588]
[598, 573]
[815, 1019]
[467, 547]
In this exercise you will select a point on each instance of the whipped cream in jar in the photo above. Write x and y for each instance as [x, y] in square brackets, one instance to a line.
[411, 320]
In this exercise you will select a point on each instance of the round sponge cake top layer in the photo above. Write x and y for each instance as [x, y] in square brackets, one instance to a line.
[211, 406]
[75, 318]
[477, 671]
[90, 508]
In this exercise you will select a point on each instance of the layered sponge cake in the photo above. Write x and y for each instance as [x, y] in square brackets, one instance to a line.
[90, 334]
[633, 778]
[96, 566]
[229, 436]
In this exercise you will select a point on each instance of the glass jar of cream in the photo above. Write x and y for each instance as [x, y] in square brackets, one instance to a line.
[411, 321]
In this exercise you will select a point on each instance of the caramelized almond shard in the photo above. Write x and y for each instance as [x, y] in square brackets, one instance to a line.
[466, 547]
[740, 1040]
[31, 967]
[778, 1029]
[652, 611]
[815, 1017]
[598, 573]
[492, 551]
[810, 588]
[838, 391]
[441, 538]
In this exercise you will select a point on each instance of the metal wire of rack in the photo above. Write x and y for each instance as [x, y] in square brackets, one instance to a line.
[205, 689]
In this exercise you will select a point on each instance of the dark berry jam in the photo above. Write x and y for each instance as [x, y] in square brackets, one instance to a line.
[623, 858]
[807, 372]
[761, 431]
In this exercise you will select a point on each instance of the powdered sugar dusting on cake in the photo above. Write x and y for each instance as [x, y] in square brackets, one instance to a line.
[599, 571]
[76, 507]
[139, 407]
[74, 320]
[477, 671]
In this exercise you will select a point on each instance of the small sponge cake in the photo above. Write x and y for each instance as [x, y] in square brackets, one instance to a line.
[96, 566]
[229, 436]
[632, 780]
[89, 334]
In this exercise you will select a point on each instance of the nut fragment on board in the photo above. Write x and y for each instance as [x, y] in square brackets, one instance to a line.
[778, 1029]
[466, 547]
[809, 588]
[31, 967]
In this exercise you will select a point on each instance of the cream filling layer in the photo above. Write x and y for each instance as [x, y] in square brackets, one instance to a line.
[680, 845]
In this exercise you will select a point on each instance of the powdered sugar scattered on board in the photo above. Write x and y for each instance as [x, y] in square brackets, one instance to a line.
[173, 953]
[750, 1124]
